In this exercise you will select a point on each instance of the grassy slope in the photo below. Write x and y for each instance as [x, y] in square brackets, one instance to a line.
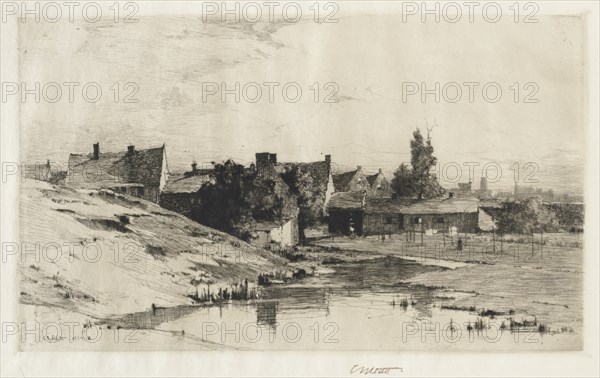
[159, 253]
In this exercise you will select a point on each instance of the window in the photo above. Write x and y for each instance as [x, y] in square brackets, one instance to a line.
[439, 220]
[389, 219]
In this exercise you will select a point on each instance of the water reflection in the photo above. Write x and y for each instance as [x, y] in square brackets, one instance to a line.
[266, 313]
[367, 280]
[152, 318]
[363, 304]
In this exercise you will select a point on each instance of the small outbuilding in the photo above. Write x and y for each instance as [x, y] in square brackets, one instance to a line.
[283, 233]
[444, 214]
[346, 213]
[355, 212]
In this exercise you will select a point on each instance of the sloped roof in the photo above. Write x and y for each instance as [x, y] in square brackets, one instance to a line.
[371, 178]
[387, 205]
[143, 166]
[83, 168]
[342, 180]
[410, 206]
[444, 206]
[346, 200]
[187, 184]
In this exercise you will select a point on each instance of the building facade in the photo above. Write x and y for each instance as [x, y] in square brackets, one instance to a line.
[353, 181]
[380, 186]
[375, 216]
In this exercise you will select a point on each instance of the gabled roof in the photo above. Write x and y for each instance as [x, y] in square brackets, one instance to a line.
[143, 166]
[371, 178]
[342, 180]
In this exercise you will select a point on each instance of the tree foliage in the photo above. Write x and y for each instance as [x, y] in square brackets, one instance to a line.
[524, 217]
[240, 198]
[418, 181]
[307, 187]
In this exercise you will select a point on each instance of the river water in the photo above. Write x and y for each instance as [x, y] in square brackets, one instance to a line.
[360, 305]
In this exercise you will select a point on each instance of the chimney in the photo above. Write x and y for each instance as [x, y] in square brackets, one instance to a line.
[483, 184]
[194, 166]
[130, 150]
[265, 160]
[96, 151]
[328, 158]
[358, 167]
[380, 171]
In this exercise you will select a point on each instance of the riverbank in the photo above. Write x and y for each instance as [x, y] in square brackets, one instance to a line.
[515, 279]
[104, 254]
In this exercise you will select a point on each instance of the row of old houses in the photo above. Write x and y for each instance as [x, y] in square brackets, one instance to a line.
[357, 181]
[285, 197]
[283, 194]
[365, 205]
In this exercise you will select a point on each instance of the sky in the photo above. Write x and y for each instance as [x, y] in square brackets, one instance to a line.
[368, 56]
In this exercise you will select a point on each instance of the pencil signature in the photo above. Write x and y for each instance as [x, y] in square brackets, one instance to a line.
[371, 370]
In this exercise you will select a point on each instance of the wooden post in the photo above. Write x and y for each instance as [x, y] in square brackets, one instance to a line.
[464, 229]
[444, 235]
[532, 243]
[494, 238]
[541, 244]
